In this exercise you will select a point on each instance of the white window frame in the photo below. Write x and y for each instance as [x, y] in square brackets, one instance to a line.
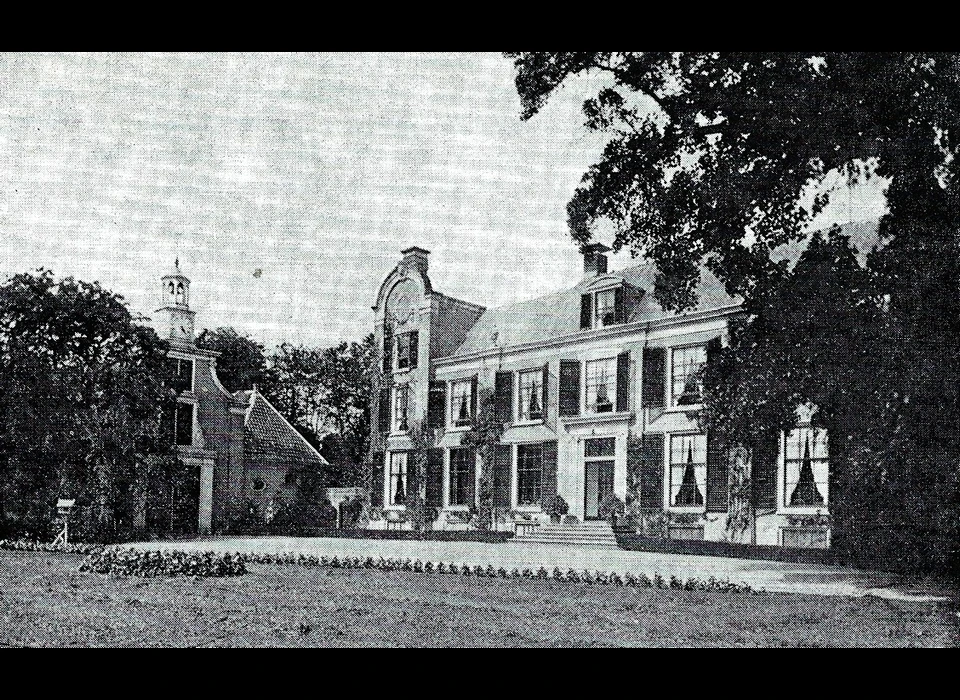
[395, 417]
[389, 480]
[585, 408]
[452, 409]
[193, 370]
[517, 397]
[515, 479]
[782, 478]
[670, 406]
[668, 473]
[448, 480]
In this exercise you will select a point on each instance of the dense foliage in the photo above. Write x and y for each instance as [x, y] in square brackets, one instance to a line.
[135, 562]
[242, 363]
[83, 389]
[718, 159]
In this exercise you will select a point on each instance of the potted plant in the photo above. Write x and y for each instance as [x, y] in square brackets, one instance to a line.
[557, 507]
[611, 508]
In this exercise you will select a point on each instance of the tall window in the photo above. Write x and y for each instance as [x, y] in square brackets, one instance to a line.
[182, 371]
[601, 385]
[461, 402]
[806, 468]
[686, 383]
[401, 402]
[183, 423]
[688, 470]
[606, 308]
[531, 395]
[529, 473]
[403, 350]
[398, 478]
[461, 461]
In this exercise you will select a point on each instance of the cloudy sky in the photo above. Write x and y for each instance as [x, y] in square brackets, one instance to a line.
[288, 184]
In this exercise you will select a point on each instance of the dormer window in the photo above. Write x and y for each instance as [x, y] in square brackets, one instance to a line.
[602, 308]
[606, 308]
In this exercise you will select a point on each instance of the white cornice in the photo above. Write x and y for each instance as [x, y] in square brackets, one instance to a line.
[592, 334]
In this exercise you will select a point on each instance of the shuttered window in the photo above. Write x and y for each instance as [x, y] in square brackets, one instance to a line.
[461, 402]
[398, 478]
[688, 470]
[531, 395]
[529, 474]
[462, 470]
[686, 381]
[805, 468]
[601, 385]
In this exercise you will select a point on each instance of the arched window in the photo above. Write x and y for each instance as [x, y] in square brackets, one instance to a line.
[179, 291]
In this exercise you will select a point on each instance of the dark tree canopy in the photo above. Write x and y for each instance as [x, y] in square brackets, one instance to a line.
[83, 388]
[242, 362]
[712, 155]
[718, 159]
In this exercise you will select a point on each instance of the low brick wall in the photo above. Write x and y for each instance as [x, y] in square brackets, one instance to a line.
[639, 543]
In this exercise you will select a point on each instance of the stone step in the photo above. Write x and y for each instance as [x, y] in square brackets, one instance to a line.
[590, 534]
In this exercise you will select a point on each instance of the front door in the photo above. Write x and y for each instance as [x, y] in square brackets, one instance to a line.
[598, 484]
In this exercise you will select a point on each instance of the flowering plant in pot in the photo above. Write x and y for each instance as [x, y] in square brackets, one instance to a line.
[557, 507]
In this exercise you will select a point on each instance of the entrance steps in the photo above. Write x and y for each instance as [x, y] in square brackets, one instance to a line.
[589, 534]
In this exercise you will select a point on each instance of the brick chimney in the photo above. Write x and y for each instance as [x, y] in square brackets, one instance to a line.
[416, 258]
[594, 260]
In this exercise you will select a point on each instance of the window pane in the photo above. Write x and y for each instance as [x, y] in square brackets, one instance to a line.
[460, 402]
[531, 395]
[529, 470]
[461, 461]
[600, 447]
[688, 470]
[403, 350]
[400, 405]
[398, 478]
[606, 308]
[184, 423]
[686, 383]
[806, 468]
[601, 385]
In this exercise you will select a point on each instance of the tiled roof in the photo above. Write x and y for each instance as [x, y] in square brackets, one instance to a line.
[265, 430]
[556, 315]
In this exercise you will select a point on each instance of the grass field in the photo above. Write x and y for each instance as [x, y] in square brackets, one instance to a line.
[44, 601]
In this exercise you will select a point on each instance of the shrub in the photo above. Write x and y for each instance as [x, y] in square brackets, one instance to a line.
[612, 507]
[135, 562]
[556, 506]
[35, 546]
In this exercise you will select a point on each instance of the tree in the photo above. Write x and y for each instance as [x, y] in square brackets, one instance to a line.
[719, 158]
[83, 389]
[325, 393]
[242, 362]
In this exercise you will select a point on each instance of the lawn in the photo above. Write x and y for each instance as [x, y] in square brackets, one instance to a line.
[44, 601]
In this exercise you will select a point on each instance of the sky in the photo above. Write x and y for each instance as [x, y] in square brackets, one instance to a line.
[287, 184]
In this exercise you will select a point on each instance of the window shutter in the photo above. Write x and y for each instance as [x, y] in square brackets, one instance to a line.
[383, 411]
[502, 463]
[472, 478]
[586, 311]
[713, 348]
[618, 309]
[623, 381]
[434, 496]
[569, 388]
[651, 472]
[437, 405]
[548, 482]
[546, 391]
[414, 348]
[387, 351]
[474, 385]
[376, 479]
[654, 376]
[413, 479]
[763, 472]
[717, 488]
[503, 397]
